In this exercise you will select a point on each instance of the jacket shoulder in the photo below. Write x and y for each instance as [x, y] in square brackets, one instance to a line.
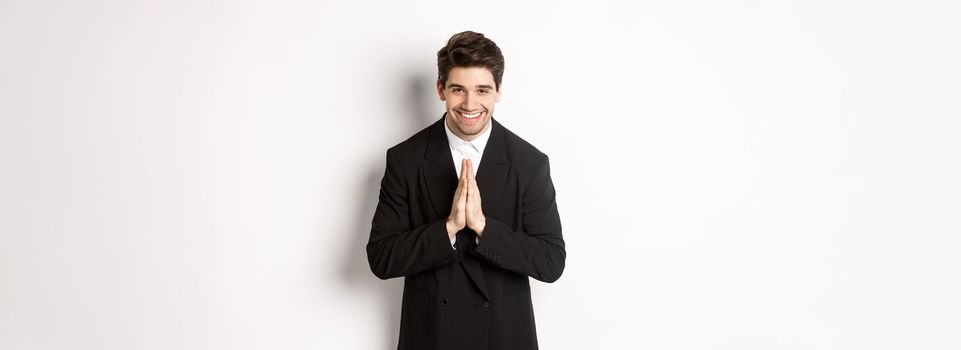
[521, 151]
[412, 149]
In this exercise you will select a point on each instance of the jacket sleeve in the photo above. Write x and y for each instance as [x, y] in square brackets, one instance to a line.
[395, 248]
[537, 250]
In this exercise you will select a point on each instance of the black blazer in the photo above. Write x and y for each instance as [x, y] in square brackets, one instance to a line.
[477, 296]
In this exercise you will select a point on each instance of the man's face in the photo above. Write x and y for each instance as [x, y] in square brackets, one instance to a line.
[470, 95]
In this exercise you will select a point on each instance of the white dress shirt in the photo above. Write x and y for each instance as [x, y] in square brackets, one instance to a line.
[474, 150]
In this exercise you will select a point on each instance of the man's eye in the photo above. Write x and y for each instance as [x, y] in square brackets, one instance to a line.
[483, 91]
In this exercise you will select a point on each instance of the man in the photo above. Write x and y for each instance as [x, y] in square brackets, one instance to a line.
[466, 215]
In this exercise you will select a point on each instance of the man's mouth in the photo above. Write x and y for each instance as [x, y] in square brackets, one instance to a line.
[470, 115]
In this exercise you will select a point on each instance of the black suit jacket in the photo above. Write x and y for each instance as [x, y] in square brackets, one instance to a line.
[477, 296]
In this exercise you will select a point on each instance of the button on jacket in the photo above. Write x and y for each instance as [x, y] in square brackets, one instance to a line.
[476, 296]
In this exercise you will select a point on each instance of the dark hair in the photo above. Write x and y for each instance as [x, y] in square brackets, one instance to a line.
[470, 49]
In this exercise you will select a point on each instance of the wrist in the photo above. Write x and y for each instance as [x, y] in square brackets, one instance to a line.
[451, 229]
[481, 225]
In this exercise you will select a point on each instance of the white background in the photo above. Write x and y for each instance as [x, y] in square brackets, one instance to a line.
[730, 175]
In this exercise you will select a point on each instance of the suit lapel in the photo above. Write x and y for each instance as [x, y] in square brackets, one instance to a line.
[494, 168]
[439, 170]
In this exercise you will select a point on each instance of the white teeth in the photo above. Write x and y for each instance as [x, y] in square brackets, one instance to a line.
[470, 116]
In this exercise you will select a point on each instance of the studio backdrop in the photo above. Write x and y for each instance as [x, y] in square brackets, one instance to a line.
[729, 175]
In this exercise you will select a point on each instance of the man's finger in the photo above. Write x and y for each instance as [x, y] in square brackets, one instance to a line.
[468, 190]
[470, 176]
[472, 188]
[465, 170]
[459, 192]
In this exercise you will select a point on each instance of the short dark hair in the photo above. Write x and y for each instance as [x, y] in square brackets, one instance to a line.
[470, 49]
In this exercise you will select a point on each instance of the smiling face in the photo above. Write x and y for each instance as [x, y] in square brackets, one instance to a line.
[470, 96]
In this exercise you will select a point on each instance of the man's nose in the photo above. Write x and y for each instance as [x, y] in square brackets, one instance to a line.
[470, 102]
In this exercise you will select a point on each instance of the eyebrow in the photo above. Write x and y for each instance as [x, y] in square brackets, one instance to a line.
[478, 86]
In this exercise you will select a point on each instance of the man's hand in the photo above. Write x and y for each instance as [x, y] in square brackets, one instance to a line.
[458, 216]
[475, 213]
[466, 209]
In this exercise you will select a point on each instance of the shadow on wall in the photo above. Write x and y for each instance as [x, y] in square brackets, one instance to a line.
[357, 272]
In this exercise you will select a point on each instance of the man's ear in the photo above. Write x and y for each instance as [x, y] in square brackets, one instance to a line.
[440, 90]
[497, 98]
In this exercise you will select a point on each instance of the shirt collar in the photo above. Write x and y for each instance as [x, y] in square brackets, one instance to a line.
[480, 142]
